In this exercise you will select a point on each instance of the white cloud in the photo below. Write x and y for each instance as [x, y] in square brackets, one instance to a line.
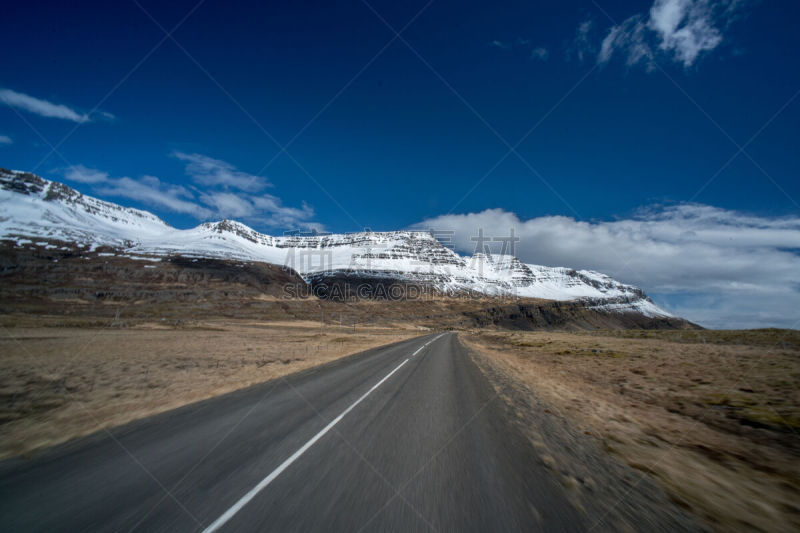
[225, 193]
[152, 191]
[582, 45]
[5, 139]
[682, 30]
[209, 171]
[83, 174]
[265, 209]
[40, 107]
[685, 28]
[228, 205]
[630, 36]
[277, 214]
[540, 53]
[718, 267]
[231, 193]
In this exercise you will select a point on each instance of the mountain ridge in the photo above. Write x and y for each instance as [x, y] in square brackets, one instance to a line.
[37, 208]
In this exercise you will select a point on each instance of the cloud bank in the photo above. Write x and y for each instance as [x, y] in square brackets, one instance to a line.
[40, 107]
[717, 267]
[5, 139]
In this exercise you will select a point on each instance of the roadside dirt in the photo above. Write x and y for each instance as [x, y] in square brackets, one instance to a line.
[711, 417]
[59, 383]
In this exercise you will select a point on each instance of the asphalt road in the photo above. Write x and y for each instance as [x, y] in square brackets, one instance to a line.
[409, 437]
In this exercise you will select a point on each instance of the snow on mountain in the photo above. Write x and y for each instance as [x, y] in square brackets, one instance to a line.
[34, 208]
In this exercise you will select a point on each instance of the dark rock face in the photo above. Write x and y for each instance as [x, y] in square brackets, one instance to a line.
[74, 281]
[567, 315]
[519, 314]
[60, 192]
[240, 230]
[351, 286]
[21, 182]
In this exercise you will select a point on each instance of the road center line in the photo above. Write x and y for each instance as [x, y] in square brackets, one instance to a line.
[219, 522]
[426, 344]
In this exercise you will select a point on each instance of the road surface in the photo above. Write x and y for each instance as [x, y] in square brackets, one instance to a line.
[408, 437]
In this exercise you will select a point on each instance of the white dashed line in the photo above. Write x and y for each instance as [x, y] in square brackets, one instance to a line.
[244, 500]
[426, 344]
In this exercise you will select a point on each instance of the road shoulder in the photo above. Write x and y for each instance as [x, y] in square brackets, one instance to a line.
[611, 495]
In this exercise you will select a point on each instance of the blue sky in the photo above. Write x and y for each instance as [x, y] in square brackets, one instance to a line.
[627, 114]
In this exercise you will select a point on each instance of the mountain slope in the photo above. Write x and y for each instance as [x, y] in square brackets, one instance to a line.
[37, 209]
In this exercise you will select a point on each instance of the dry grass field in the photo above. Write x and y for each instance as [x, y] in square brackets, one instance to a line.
[58, 381]
[712, 416]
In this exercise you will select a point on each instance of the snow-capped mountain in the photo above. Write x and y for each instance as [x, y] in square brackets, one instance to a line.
[34, 209]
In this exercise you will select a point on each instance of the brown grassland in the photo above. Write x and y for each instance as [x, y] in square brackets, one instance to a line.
[713, 416]
[65, 381]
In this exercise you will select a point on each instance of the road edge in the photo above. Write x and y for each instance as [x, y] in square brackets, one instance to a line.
[611, 495]
[119, 430]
